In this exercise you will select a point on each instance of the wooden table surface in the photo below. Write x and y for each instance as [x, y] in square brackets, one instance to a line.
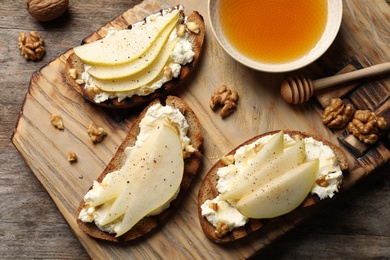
[355, 225]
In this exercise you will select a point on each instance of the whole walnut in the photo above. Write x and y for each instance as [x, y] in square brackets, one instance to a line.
[46, 10]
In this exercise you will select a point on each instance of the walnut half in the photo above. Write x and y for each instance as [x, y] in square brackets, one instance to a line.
[365, 125]
[31, 46]
[337, 114]
[226, 98]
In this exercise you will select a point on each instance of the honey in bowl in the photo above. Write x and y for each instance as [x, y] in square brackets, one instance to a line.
[273, 31]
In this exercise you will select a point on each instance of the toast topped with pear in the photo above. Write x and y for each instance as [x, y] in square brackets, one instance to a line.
[132, 66]
[148, 175]
[267, 177]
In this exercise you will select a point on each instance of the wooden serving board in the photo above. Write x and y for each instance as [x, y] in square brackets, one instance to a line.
[363, 40]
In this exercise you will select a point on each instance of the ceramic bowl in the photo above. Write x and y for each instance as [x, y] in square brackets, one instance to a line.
[334, 17]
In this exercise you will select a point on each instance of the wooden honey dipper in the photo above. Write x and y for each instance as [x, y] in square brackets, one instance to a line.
[298, 89]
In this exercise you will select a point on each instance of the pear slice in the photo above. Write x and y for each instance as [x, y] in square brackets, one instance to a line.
[133, 67]
[141, 78]
[118, 180]
[273, 148]
[111, 191]
[289, 159]
[154, 185]
[281, 195]
[125, 45]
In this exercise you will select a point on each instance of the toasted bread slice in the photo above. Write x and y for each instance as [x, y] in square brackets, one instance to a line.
[209, 191]
[195, 37]
[191, 165]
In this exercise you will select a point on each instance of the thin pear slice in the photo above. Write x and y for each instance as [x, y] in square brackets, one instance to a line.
[273, 148]
[160, 178]
[281, 195]
[141, 78]
[125, 45]
[288, 160]
[167, 174]
[118, 180]
[133, 67]
[112, 190]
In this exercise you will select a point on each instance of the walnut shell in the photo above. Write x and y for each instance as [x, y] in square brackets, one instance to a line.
[46, 10]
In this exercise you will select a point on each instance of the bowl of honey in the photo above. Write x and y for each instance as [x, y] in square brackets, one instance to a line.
[275, 35]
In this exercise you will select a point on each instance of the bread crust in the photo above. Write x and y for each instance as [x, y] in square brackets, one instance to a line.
[196, 39]
[191, 165]
[208, 190]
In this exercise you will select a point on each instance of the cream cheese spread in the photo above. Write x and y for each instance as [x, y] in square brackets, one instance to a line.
[328, 170]
[226, 213]
[181, 54]
[155, 115]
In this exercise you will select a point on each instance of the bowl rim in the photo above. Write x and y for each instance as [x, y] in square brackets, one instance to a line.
[332, 27]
